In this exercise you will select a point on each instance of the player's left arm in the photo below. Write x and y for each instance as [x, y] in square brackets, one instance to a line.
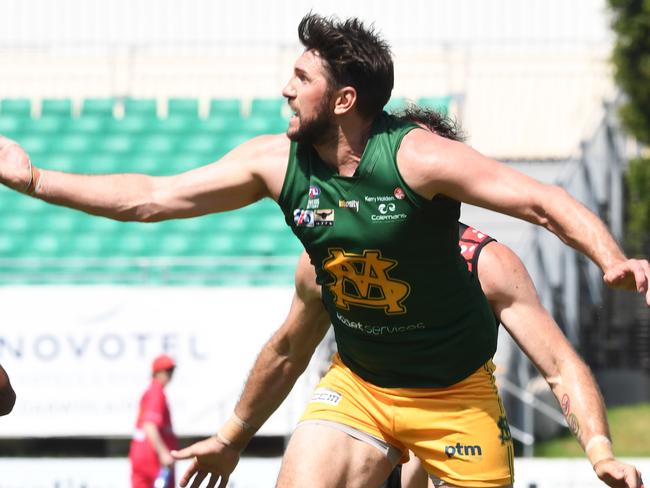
[433, 165]
[513, 297]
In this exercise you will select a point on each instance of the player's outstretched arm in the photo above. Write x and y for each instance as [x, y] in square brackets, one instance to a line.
[7, 393]
[513, 297]
[282, 360]
[248, 173]
[432, 165]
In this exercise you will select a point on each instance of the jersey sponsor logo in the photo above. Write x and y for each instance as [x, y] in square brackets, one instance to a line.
[379, 198]
[504, 430]
[324, 217]
[387, 213]
[352, 204]
[378, 329]
[313, 218]
[399, 193]
[314, 191]
[325, 395]
[303, 218]
[461, 450]
[363, 280]
[313, 203]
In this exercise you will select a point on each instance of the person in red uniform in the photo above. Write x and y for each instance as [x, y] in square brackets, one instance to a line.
[154, 437]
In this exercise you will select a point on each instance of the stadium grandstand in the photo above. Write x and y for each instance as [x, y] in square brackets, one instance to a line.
[160, 87]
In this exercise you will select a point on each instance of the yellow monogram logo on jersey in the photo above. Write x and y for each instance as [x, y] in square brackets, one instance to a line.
[363, 280]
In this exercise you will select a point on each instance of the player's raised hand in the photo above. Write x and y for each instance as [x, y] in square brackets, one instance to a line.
[618, 475]
[15, 167]
[633, 275]
[211, 458]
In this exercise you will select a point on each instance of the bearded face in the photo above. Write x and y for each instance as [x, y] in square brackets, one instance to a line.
[313, 126]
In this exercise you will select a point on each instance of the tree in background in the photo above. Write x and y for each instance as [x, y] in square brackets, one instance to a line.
[631, 22]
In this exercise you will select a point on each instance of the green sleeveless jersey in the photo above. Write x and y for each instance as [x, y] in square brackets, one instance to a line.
[406, 312]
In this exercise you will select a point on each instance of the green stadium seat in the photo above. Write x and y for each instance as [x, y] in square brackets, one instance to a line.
[131, 124]
[142, 106]
[16, 106]
[90, 124]
[92, 225]
[99, 162]
[98, 106]
[269, 107]
[59, 161]
[174, 244]
[45, 245]
[155, 143]
[258, 124]
[116, 143]
[183, 106]
[185, 161]
[61, 107]
[200, 142]
[13, 223]
[216, 244]
[396, 104]
[225, 107]
[75, 143]
[133, 244]
[48, 124]
[149, 163]
[35, 144]
[86, 245]
[11, 124]
[440, 104]
[179, 124]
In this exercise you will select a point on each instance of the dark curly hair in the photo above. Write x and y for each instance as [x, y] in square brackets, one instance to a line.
[353, 55]
[436, 122]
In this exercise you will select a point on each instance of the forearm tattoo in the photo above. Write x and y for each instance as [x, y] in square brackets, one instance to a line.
[571, 419]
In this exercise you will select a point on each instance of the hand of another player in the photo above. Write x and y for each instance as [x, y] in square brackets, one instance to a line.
[211, 458]
[633, 275]
[619, 475]
[14, 165]
[166, 459]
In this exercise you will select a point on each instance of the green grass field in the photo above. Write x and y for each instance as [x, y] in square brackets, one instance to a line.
[629, 425]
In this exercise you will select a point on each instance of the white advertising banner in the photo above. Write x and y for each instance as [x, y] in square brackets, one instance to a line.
[116, 473]
[79, 357]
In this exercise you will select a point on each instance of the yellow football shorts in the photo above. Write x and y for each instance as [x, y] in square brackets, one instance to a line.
[460, 433]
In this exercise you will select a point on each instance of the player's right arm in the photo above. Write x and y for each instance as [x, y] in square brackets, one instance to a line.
[512, 295]
[282, 360]
[7, 393]
[252, 171]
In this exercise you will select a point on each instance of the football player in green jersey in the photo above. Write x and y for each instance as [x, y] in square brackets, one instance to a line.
[339, 134]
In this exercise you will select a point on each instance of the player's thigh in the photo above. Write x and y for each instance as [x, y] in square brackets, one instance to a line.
[414, 475]
[319, 456]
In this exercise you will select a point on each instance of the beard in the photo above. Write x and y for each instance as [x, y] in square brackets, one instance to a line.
[316, 131]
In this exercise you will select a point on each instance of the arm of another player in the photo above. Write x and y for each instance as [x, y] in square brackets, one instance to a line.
[153, 434]
[282, 360]
[513, 297]
[248, 173]
[7, 393]
[431, 164]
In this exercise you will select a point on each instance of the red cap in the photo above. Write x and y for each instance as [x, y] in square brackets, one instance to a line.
[162, 363]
